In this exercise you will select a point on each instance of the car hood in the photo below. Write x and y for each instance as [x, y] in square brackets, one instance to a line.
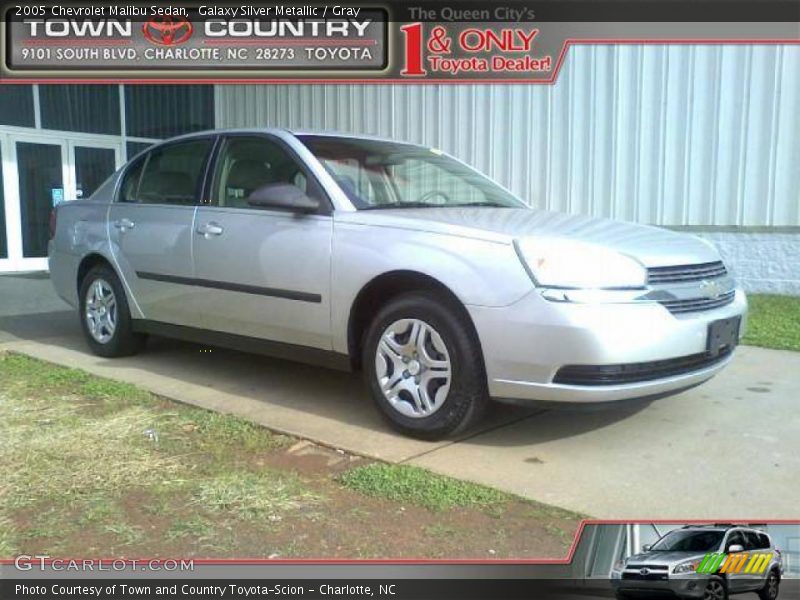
[663, 558]
[652, 246]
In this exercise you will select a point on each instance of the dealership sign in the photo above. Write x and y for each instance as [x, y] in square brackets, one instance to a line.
[119, 37]
[398, 41]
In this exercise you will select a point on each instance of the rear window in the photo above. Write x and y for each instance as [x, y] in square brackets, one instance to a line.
[130, 185]
[172, 174]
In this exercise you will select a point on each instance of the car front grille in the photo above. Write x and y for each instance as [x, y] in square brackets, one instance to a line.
[698, 304]
[672, 284]
[653, 576]
[636, 372]
[685, 273]
[656, 572]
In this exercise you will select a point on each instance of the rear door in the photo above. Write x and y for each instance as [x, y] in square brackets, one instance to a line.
[756, 544]
[151, 224]
[262, 272]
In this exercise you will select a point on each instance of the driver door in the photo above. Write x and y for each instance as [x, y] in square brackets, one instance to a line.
[737, 582]
[262, 272]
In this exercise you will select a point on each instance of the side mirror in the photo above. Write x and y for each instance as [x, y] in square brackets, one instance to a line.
[646, 548]
[285, 196]
[733, 548]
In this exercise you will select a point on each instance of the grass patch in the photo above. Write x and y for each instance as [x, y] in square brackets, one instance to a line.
[90, 466]
[51, 453]
[74, 448]
[99, 509]
[773, 322]
[125, 534]
[215, 432]
[403, 483]
[252, 494]
[195, 527]
[8, 536]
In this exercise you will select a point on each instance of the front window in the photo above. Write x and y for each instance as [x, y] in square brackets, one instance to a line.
[684, 540]
[248, 164]
[376, 174]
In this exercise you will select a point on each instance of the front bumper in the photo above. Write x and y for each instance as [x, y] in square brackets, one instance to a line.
[689, 585]
[525, 344]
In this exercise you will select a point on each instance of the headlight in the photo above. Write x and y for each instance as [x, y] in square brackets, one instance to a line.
[619, 565]
[577, 265]
[686, 567]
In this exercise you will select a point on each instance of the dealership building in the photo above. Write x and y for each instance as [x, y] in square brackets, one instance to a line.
[704, 139]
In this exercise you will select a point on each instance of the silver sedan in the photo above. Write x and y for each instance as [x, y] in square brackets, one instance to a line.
[396, 259]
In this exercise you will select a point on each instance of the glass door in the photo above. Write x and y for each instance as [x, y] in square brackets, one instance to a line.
[93, 163]
[41, 187]
[34, 178]
[6, 205]
[3, 232]
[38, 172]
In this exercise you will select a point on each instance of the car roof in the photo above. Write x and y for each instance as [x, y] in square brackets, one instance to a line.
[724, 527]
[294, 132]
[350, 135]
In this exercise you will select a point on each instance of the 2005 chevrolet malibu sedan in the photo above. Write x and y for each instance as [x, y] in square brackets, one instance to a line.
[361, 253]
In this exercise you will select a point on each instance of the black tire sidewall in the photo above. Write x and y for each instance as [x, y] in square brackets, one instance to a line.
[724, 585]
[764, 592]
[467, 396]
[124, 341]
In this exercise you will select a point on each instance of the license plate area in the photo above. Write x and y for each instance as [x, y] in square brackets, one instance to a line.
[723, 335]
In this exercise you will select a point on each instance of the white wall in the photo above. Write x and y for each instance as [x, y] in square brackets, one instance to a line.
[671, 135]
[761, 261]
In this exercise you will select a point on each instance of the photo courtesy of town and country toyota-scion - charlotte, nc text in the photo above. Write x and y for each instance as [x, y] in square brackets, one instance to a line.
[197, 590]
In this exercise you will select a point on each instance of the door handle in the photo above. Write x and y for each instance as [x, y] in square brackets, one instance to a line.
[124, 224]
[210, 229]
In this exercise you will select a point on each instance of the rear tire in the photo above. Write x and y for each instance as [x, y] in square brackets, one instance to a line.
[105, 315]
[424, 367]
[771, 587]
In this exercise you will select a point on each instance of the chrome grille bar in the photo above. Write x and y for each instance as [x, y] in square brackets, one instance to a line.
[683, 273]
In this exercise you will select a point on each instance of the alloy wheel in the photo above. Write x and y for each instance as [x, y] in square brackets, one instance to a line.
[413, 368]
[101, 311]
[714, 591]
[772, 586]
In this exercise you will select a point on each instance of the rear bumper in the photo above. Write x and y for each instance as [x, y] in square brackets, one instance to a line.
[64, 274]
[527, 343]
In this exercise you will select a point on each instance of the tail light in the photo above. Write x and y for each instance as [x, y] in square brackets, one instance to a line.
[52, 223]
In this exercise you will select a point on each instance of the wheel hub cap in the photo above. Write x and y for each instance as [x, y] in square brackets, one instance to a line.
[413, 368]
[101, 311]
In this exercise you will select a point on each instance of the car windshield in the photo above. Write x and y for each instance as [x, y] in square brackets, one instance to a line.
[377, 174]
[689, 541]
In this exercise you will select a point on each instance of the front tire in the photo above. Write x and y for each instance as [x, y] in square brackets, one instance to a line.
[716, 589]
[105, 315]
[424, 367]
